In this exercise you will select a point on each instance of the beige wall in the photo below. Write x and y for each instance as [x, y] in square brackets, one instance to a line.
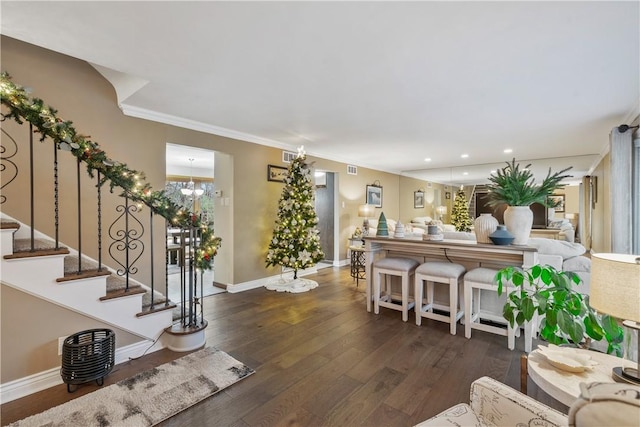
[82, 95]
[33, 326]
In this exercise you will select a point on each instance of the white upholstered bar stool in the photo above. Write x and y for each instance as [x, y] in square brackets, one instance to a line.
[392, 266]
[438, 272]
[474, 281]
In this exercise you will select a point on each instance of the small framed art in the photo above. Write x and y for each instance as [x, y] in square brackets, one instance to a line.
[276, 173]
[418, 199]
[374, 195]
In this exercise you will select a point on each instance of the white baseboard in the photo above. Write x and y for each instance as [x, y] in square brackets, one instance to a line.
[259, 283]
[22, 387]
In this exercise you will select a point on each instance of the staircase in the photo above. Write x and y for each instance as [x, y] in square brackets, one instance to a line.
[52, 274]
[47, 190]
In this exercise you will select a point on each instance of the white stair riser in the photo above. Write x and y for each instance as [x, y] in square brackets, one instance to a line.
[6, 242]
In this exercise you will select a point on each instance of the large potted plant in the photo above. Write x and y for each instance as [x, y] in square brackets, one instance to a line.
[564, 313]
[518, 189]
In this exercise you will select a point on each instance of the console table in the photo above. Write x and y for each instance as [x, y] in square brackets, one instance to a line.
[466, 252]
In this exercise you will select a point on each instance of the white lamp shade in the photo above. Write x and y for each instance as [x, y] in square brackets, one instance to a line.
[441, 210]
[366, 211]
[615, 285]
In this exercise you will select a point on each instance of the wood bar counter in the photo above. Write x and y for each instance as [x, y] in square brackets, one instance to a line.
[465, 252]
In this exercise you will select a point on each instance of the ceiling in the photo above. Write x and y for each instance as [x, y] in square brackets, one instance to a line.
[383, 85]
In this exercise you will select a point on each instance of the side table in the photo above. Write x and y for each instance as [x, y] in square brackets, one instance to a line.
[565, 386]
[358, 259]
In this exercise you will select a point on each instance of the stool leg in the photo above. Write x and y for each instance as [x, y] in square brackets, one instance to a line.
[376, 292]
[511, 338]
[453, 305]
[430, 287]
[468, 316]
[405, 297]
[418, 291]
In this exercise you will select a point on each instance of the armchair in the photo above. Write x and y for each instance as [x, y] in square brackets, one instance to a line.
[495, 404]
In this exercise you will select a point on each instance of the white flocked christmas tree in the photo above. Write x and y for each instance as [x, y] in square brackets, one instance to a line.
[296, 241]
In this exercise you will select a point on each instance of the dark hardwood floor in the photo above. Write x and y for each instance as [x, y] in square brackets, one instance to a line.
[321, 359]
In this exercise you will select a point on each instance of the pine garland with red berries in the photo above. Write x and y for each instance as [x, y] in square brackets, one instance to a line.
[21, 107]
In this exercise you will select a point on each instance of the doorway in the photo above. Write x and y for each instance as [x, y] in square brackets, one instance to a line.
[189, 183]
[326, 210]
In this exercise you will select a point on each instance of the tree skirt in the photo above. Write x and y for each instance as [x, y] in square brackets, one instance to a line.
[150, 396]
[291, 285]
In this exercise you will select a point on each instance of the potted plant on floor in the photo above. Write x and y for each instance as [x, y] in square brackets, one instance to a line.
[565, 314]
[517, 189]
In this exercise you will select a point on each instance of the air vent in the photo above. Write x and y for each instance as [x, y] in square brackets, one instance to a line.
[352, 170]
[288, 156]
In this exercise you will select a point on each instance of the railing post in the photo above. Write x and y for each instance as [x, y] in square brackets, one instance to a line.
[79, 216]
[152, 258]
[31, 181]
[56, 198]
[99, 223]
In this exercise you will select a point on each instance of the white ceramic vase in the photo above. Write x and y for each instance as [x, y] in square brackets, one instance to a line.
[519, 220]
[484, 225]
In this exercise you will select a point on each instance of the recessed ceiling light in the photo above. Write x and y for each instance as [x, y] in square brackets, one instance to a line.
[508, 150]
[464, 156]
[465, 173]
[428, 159]
[493, 171]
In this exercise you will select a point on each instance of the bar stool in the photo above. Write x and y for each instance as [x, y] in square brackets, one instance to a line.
[474, 281]
[439, 272]
[391, 266]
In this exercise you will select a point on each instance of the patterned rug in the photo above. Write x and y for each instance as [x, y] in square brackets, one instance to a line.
[150, 396]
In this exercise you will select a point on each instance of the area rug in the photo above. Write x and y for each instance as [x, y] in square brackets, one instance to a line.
[150, 396]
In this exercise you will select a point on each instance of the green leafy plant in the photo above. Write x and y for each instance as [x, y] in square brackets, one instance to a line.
[517, 187]
[565, 314]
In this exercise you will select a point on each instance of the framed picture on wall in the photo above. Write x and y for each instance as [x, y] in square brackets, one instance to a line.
[558, 202]
[447, 195]
[276, 173]
[418, 199]
[374, 195]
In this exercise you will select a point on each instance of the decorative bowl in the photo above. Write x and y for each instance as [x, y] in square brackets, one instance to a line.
[501, 236]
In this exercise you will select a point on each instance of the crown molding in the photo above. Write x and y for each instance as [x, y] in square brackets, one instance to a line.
[143, 113]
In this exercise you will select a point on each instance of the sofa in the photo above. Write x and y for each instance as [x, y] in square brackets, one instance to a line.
[495, 404]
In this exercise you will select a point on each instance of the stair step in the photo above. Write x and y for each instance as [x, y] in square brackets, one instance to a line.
[37, 253]
[22, 245]
[122, 293]
[84, 274]
[157, 308]
[8, 225]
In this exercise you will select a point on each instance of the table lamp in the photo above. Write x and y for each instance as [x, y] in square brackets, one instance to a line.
[441, 210]
[615, 290]
[366, 212]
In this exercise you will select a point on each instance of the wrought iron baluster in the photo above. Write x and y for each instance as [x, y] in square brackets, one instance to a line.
[56, 198]
[99, 223]
[128, 240]
[152, 258]
[79, 217]
[6, 154]
[31, 187]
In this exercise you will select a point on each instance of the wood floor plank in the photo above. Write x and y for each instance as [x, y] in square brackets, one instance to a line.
[321, 359]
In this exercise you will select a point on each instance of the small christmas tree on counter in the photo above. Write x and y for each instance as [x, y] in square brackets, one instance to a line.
[296, 242]
[460, 212]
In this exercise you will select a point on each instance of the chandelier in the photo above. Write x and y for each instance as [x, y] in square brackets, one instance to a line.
[190, 188]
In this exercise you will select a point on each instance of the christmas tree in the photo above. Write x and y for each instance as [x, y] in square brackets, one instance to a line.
[460, 212]
[296, 242]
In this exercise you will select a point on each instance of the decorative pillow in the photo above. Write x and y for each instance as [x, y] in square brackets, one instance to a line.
[577, 263]
[421, 220]
[391, 224]
[558, 223]
[557, 247]
[606, 404]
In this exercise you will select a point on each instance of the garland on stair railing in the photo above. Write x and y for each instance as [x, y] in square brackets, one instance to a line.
[46, 122]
